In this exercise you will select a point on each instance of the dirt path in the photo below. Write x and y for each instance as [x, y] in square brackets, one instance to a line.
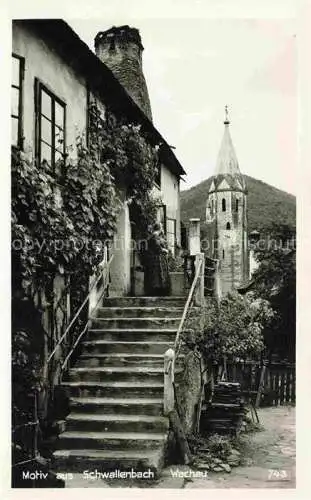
[271, 457]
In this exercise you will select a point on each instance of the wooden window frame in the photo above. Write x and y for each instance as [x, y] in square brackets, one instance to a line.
[20, 88]
[41, 88]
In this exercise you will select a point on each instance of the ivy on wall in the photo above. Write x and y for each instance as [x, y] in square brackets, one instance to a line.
[60, 219]
[59, 223]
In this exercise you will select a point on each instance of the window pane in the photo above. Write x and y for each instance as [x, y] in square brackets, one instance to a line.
[14, 101]
[59, 138]
[14, 131]
[171, 242]
[46, 153]
[46, 104]
[170, 225]
[59, 115]
[15, 71]
[58, 155]
[46, 130]
[58, 161]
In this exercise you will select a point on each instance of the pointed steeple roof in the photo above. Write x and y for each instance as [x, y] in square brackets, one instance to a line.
[227, 162]
[227, 166]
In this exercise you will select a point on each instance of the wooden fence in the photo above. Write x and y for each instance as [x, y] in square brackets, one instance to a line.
[279, 381]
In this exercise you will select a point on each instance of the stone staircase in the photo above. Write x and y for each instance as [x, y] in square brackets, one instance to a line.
[116, 388]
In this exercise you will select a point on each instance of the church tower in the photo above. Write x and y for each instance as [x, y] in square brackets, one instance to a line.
[226, 217]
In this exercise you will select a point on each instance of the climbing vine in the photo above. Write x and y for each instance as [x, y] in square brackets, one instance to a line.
[60, 223]
[133, 163]
[62, 217]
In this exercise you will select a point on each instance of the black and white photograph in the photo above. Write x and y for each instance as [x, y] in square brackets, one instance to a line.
[153, 250]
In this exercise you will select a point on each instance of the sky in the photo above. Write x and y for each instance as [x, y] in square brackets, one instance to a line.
[194, 67]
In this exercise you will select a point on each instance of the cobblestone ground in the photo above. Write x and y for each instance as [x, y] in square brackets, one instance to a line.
[270, 457]
[271, 460]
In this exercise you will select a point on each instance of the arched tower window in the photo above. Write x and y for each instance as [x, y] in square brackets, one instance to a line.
[237, 205]
[223, 254]
[228, 225]
[212, 206]
[223, 204]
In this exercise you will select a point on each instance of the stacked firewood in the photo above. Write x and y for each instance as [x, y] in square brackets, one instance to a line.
[224, 415]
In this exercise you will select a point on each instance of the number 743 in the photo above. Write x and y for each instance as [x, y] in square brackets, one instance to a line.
[277, 474]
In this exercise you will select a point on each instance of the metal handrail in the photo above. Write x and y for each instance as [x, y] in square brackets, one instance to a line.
[107, 266]
[187, 305]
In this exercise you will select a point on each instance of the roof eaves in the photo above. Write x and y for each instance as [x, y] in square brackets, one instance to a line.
[57, 31]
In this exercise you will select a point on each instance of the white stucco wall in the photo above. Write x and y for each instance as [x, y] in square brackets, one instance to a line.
[170, 194]
[45, 64]
[121, 250]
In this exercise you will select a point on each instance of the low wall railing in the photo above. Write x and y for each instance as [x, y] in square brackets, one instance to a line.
[97, 290]
[195, 297]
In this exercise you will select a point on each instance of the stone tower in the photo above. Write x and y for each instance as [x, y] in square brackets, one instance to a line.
[226, 216]
[120, 48]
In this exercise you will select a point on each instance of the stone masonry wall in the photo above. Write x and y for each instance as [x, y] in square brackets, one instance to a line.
[188, 391]
[121, 50]
[231, 246]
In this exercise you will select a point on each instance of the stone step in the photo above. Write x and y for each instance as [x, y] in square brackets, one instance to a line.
[139, 312]
[116, 423]
[118, 374]
[115, 406]
[127, 389]
[107, 460]
[139, 347]
[148, 323]
[170, 301]
[132, 334]
[121, 359]
[116, 387]
[70, 440]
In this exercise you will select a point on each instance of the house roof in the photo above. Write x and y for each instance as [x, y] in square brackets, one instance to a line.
[77, 54]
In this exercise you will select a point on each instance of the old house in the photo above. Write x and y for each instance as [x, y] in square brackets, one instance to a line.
[55, 76]
[55, 80]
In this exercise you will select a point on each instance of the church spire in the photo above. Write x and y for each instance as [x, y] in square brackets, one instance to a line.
[227, 162]
[226, 122]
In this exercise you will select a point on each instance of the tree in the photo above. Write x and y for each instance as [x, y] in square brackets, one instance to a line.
[229, 330]
[275, 281]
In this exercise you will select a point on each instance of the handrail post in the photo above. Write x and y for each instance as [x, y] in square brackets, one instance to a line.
[199, 293]
[169, 399]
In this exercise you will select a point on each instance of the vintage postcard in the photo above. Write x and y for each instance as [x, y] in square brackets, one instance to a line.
[153, 248]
